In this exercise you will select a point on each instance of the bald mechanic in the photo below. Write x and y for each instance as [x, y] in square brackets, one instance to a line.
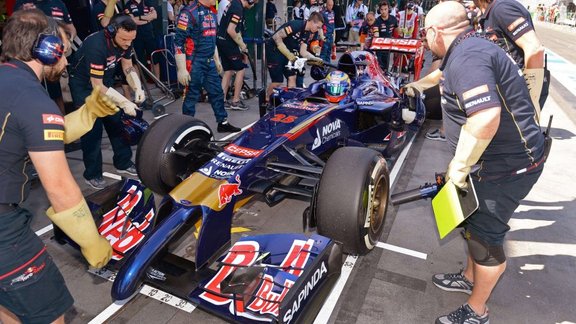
[490, 121]
[510, 24]
[33, 132]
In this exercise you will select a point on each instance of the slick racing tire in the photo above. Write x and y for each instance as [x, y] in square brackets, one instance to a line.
[352, 198]
[159, 164]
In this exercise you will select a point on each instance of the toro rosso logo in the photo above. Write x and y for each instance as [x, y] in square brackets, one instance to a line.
[227, 191]
[29, 273]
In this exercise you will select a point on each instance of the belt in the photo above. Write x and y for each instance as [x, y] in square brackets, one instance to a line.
[6, 208]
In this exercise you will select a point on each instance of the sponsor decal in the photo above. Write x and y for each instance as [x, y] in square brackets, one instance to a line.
[477, 102]
[242, 151]
[365, 102]
[53, 135]
[516, 23]
[475, 92]
[155, 274]
[207, 171]
[267, 301]
[29, 273]
[304, 106]
[329, 132]
[282, 118]
[227, 191]
[305, 292]
[96, 66]
[52, 119]
[398, 135]
[521, 28]
[97, 72]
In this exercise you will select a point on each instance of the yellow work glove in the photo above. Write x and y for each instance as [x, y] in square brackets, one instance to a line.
[128, 106]
[535, 80]
[134, 82]
[417, 87]
[182, 72]
[110, 6]
[286, 52]
[82, 120]
[78, 224]
[468, 152]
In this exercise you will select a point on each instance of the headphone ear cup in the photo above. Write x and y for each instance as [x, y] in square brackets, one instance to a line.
[111, 29]
[48, 49]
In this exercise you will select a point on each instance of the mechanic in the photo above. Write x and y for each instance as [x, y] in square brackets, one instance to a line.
[33, 133]
[387, 28]
[232, 49]
[489, 120]
[58, 11]
[329, 34]
[195, 43]
[143, 13]
[291, 37]
[512, 27]
[94, 65]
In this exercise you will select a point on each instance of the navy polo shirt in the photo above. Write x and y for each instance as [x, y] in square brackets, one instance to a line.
[477, 74]
[296, 34]
[234, 14]
[51, 8]
[504, 21]
[139, 10]
[97, 58]
[386, 27]
[29, 122]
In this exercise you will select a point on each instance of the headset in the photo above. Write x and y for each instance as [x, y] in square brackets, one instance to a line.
[48, 47]
[116, 23]
[251, 2]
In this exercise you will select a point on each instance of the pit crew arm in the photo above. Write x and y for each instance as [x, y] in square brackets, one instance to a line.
[237, 37]
[533, 50]
[134, 81]
[304, 52]
[108, 12]
[278, 38]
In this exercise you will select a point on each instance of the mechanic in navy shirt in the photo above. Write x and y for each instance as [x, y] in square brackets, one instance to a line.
[232, 49]
[489, 120]
[102, 12]
[292, 37]
[329, 34]
[510, 24]
[94, 65]
[32, 134]
[387, 28]
[143, 13]
[195, 43]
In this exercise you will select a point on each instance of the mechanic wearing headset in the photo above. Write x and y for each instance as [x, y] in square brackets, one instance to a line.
[489, 120]
[293, 36]
[195, 43]
[94, 65]
[33, 132]
[143, 13]
[232, 49]
[511, 25]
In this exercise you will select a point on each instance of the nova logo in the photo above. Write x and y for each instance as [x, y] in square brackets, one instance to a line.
[329, 132]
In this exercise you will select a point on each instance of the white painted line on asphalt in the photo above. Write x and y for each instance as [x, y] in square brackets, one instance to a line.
[110, 311]
[402, 250]
[44, 230]
[111, 176]
[328, 307]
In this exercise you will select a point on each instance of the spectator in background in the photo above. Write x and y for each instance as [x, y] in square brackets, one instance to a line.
[387, 27]
[408, 21]
[271, 12]
[368, 30]
[170, 10]
[300, 11]
[355, 14]
[143, 13]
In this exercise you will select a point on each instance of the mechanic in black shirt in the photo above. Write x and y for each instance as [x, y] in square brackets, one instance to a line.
[94, 65]
[58, 11]
[143, 13]
[293, 36]
[510, 24]
[102, 12]
[489, 120]
[33, 133]
[387, 28]
[232, 49]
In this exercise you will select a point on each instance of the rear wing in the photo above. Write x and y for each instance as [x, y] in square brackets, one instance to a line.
[402, 45]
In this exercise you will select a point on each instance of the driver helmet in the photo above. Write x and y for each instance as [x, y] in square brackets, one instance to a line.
[337, 86]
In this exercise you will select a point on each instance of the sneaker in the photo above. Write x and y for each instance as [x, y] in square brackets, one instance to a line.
[238, 105]
[435, 135]
[226, 127]
[96, 183]
[227, 105]
[464, 315]
[131, 170]
[453, 282]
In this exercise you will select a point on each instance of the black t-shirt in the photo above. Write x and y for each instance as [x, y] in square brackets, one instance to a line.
[505, 21]
[139, 10]
[51, 8]
[97, 14]
[29, 122]
[97, 58]
[386, 27]
[233, 14]
[477, 75]
[296, 34]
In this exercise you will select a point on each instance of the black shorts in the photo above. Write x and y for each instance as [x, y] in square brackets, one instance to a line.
[498, 200]
[31, 285]
[144, 46]
[276, 63]
[230, 56]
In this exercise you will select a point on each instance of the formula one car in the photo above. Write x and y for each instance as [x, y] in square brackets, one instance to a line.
[336, 155]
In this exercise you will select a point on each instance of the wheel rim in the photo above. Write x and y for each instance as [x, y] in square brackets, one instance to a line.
[379, 203]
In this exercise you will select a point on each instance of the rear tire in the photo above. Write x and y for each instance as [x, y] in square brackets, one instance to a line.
[352, 198]
[159, 168]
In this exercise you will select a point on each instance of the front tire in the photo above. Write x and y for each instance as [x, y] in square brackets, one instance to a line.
[352, 198]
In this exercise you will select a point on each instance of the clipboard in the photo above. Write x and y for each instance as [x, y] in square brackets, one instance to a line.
[452, 206]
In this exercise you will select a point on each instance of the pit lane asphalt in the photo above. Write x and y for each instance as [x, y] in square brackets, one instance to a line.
[387, 286]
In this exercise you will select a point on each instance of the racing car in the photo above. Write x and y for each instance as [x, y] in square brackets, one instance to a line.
[335, 155]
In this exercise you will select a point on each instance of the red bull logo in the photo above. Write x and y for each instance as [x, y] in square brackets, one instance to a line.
[227, 191]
